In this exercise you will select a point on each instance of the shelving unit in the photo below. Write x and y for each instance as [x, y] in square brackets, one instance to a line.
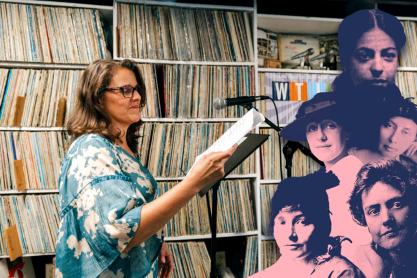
[256, 175]
[45, 198]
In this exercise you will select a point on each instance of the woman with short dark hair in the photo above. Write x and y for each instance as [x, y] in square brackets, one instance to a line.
[301, 225]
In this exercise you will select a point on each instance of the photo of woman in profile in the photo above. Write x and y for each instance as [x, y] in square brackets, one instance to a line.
[301, 228]
[384, 201]
[110, 212]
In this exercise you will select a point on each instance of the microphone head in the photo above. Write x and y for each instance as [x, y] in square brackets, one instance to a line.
[219, 103]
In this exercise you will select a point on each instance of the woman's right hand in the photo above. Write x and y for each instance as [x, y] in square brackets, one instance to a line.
[411, 152]
[209, 168]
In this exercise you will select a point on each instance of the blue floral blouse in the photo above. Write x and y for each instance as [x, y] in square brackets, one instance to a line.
[102, 189]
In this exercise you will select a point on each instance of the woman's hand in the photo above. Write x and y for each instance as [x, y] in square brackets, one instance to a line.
[154, 215]
[411, 152]
[165, 262]
[209, 168]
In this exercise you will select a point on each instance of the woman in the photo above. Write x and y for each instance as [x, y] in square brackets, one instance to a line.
[369, 44]
[397, 132]
[109, 211]
[319, 122]
[384, 200]
[301, 224]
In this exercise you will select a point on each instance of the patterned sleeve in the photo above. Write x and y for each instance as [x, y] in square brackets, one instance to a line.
[104, 215]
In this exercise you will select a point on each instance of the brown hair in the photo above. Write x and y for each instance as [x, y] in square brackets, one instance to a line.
[88, 115]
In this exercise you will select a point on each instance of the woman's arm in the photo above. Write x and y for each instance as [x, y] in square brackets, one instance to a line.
[157, 213]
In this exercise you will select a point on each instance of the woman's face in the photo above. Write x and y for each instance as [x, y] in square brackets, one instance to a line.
[326, 141]
[396, 136]
[387, 216]
[293, 233]
[375, 59]
[122, 111]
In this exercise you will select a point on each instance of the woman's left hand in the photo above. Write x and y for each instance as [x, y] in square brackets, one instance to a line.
[165, 262]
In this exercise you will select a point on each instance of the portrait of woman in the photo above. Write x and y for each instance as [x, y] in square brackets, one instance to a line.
[384, 201]
[370, 42]
[110, 212]
[396, 132]
[301, 228]
[319, 122]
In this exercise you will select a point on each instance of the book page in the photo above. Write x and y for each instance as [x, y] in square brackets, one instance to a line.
[236, 132]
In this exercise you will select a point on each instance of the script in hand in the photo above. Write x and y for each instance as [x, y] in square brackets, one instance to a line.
[238, 134]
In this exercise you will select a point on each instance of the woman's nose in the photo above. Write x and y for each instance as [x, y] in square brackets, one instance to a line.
[386, 216]
[135, 96]
[322, 135]
[293, 235]
[377, 67]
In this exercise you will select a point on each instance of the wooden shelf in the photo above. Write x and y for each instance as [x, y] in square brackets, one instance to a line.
[30, 191]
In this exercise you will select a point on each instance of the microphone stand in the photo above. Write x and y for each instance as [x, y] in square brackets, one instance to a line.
[213, 228]
[249, 106]
[290, 147]
[213, 210]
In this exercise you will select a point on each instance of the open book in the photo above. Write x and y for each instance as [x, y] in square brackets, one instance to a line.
[236, 134]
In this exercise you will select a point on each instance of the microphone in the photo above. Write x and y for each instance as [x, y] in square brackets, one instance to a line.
[220, 103]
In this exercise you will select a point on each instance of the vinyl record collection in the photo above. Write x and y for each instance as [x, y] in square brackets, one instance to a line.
[35, 33]
[267, 191]
[160, 143]
[153, 107]
[41, 154]
[408, 57]
[36, 218]
[251, 266]
[406, 81]
[270, 253]
[157, 32]
[270, 161]
[190, 90]
[191, 259]
[235, 211]
[41, 90]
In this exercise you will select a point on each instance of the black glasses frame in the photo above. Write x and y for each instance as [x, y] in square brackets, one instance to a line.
[127, 91]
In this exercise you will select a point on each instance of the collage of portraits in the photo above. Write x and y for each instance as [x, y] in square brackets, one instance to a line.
[357, 216]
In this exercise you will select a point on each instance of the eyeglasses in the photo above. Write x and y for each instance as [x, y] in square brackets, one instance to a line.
[127, 90]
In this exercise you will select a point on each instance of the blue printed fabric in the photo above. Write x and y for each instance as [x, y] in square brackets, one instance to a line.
[102, 189]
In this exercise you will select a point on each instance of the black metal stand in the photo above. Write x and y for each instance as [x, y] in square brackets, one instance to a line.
[290, 148]
[213, 227]
[213, 210]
